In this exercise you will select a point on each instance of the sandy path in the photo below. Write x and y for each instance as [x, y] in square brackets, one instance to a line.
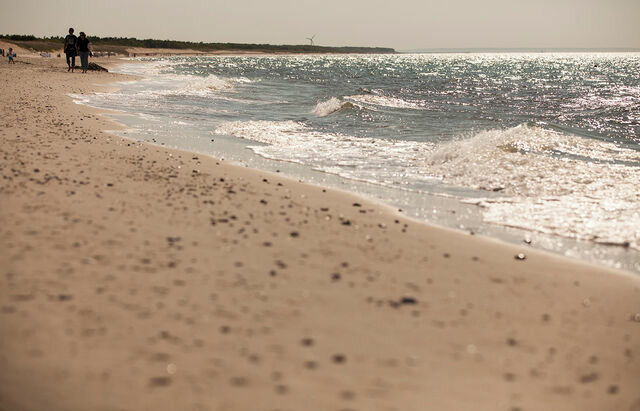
[134, 277]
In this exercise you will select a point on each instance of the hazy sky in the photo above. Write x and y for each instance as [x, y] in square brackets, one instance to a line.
[402, 24]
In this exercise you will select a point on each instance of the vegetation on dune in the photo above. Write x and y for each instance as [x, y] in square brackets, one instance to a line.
[120, 44]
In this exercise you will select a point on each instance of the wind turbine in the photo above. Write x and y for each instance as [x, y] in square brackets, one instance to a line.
[311, 39]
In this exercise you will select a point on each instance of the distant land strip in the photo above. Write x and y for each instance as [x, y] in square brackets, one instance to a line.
[120, 45]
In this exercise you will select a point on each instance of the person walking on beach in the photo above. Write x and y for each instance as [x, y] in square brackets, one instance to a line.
[84, 51]
[70, 49]
[11, 55]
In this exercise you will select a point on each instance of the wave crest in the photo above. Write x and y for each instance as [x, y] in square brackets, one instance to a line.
[324, 108]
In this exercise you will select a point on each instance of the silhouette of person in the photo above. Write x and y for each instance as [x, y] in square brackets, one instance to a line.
[70, 49]
[84, 51]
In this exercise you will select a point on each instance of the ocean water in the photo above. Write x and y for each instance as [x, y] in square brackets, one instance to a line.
[543, 148]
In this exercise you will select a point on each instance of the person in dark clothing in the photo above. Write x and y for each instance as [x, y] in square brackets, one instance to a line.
[84, 51]
[70, 49]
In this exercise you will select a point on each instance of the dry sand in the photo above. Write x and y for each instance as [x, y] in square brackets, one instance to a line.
[133, 277]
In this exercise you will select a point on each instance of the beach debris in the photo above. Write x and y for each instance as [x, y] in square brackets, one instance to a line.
[335, 276]
[520, 257]
[408, 300]
[96, 67]
[307, 342]
[613, 389]
[635, 317]
[403, 301]
[357, 205]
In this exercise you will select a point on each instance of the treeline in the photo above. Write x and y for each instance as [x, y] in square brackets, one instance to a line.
[124, 42]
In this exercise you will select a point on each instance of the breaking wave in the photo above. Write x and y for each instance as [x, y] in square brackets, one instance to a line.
[324, 108]
[548, 182]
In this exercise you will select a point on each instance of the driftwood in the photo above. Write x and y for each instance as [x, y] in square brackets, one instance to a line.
[96, 67]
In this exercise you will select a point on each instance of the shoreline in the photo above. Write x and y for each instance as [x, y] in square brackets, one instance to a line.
[450, 211]
[151, 278]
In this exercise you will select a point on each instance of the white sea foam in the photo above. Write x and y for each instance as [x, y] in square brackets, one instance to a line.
[376, 160]
[595, 200]
[162, 80]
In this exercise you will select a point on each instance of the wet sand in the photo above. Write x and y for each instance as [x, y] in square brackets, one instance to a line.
[134, 277]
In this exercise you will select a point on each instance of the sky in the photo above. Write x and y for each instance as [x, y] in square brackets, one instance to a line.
[401, 24]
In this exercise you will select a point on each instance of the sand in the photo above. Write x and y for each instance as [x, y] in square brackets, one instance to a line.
[134, 277]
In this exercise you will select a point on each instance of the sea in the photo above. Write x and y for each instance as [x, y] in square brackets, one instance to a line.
[538, 149]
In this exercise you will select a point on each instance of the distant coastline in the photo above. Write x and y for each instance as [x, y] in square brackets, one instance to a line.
[522, 50]
[122, 46]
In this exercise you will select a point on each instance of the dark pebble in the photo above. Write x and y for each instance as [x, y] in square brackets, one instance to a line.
[238, 381]
[339, 359]
[587, 378]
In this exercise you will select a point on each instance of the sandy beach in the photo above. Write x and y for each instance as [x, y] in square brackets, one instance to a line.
[135, 277]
